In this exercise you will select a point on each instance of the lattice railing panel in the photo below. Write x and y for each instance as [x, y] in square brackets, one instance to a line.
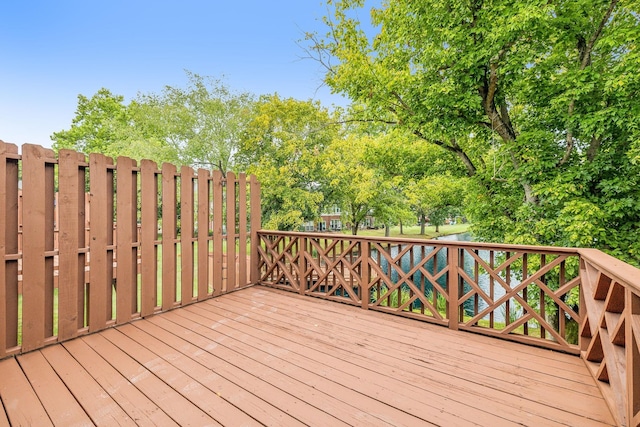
[410, 280]
[333, 269]
[521, 294]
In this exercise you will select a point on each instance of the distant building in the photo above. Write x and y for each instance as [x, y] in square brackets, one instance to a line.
[331, 221]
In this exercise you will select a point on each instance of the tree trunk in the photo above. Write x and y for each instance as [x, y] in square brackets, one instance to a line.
[387, 230]
[423, 220]
[437, 228]
[401, 227]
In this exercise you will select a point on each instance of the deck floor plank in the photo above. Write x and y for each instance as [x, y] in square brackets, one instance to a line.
[315, 376]
[262, 356]
[22, 406]
[508, 385]
[61, 406]
[181, 410]
[138, 406]
[159, 340]
[303, 407]
[95, 400]
[446, 385]
[188, 386]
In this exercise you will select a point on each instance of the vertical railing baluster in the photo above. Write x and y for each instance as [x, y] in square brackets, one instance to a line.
[453, 284]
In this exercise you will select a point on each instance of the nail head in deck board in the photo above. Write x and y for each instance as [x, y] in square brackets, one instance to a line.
[20, 401]
[124, 393]
[61, 406]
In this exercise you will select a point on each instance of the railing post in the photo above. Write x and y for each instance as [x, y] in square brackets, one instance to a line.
[302, 265]
[255, 226]
[452, 285]
[632, 345]
[364, 276]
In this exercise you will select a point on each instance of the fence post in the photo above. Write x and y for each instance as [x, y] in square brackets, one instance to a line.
[632, 347]
[8, 246]
[256, 218]
[453, 285]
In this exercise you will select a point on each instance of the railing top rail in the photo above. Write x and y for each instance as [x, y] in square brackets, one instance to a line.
[619, 270]
[475, 245]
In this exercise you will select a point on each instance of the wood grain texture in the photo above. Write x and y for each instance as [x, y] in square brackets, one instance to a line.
[270, 357]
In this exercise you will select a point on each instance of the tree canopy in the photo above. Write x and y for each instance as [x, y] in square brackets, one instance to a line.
[537, 101]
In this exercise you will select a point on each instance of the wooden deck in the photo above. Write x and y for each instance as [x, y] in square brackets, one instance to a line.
[262, 356]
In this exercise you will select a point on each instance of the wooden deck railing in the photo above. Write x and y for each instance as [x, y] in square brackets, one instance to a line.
[153, 239]
[578, 301]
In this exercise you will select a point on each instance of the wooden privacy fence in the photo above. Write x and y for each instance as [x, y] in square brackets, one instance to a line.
[148, 240]
[579, 301]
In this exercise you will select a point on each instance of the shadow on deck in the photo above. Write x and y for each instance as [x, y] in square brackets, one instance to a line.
[263, 356]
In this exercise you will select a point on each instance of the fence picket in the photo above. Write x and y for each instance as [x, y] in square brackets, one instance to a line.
[204, 185]
[230, 259]
[126, 239]
[37, 220]
[169, 224]
[149, 235]
[186, 234]
[217, 232]
[71, 241]
[100, 241]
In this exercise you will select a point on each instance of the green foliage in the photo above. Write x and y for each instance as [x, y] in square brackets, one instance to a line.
[537, 101]
[437, 197]
[199, 125]
[282, 145]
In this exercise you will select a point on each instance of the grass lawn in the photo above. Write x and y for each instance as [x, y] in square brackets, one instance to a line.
[414, 231]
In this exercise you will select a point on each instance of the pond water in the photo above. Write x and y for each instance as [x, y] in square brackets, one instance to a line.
[469, 267]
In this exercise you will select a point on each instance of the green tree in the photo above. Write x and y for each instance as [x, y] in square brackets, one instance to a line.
[282, 145]
[437, 198]
[353, 184]
[529, 96]
[203, 121]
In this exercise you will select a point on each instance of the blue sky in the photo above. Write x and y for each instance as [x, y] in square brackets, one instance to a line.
[54, 50]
